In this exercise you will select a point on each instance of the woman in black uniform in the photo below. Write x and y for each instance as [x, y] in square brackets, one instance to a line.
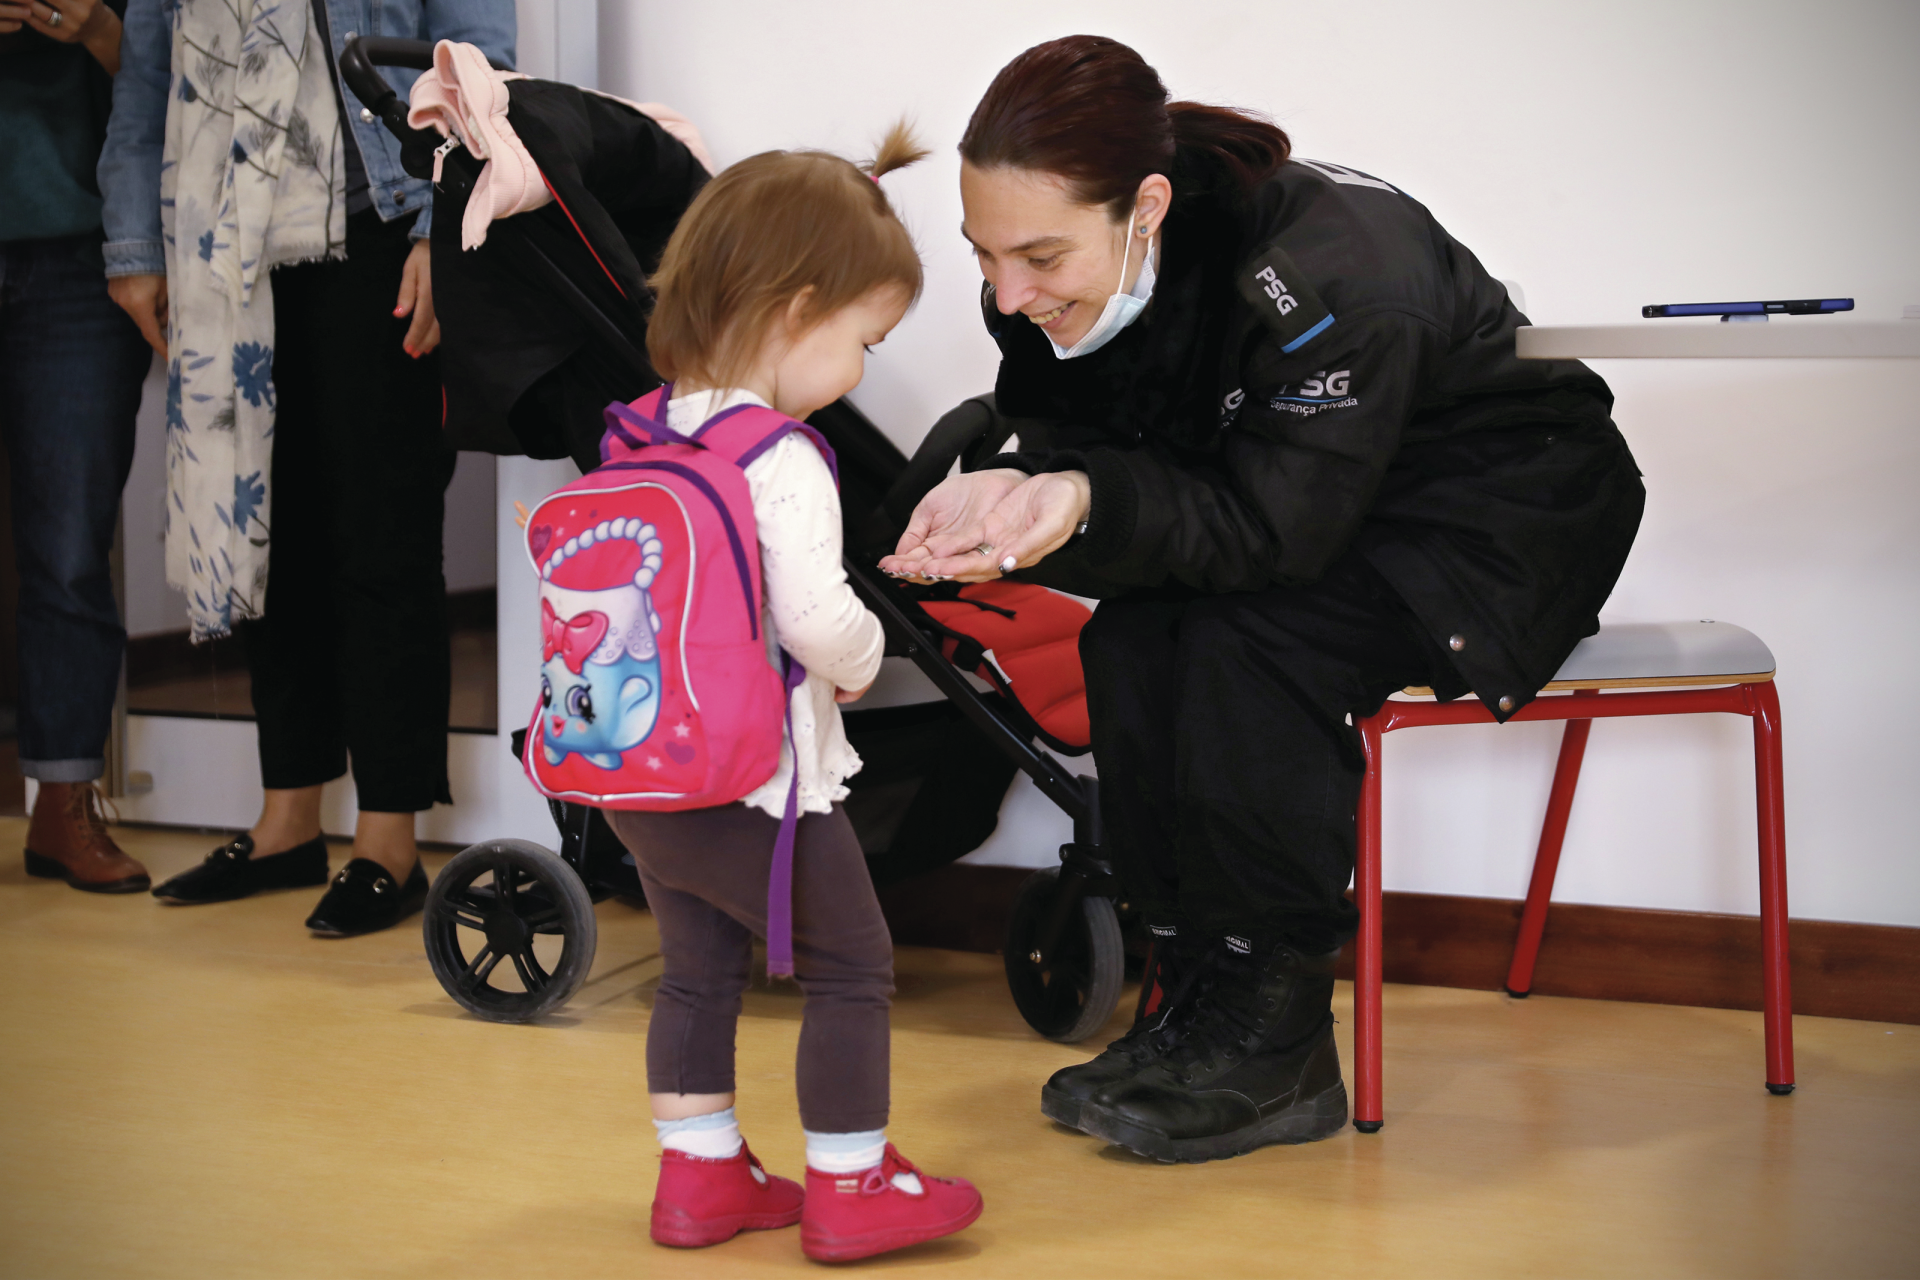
[1290, 448]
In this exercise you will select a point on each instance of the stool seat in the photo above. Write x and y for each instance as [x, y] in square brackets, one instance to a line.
[1651, 655]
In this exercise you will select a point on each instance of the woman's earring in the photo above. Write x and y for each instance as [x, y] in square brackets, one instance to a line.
[1143, 228]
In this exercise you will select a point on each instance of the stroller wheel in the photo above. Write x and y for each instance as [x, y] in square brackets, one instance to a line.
[492, 918]
[1066, 996]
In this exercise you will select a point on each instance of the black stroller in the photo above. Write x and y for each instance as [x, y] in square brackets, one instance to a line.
[543, 325]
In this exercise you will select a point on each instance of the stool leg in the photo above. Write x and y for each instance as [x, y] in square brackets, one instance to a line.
[1366, 963]
[1546, 860]
[1770, 793]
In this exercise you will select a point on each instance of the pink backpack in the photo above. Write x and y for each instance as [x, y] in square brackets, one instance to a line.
[657, 690]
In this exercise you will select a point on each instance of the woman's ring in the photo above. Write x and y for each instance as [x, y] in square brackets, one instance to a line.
[56, 17]
[984, 549]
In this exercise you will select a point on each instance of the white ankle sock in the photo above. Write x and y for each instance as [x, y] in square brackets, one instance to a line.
[845, 1152]
[854, 1153]
[714, 1136]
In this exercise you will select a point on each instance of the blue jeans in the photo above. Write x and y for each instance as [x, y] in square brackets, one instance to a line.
[71, 365]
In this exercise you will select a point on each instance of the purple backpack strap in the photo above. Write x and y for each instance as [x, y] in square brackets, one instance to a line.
[637, 425]
[744, 432]
[780, 877]
[740, 435]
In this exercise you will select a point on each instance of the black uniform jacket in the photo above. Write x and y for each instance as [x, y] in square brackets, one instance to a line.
[1323, 368]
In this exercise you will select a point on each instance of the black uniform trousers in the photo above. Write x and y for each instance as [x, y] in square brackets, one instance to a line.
[1229, 764]
[351, 658]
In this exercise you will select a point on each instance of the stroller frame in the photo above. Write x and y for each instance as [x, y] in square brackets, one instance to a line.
[1064, 956]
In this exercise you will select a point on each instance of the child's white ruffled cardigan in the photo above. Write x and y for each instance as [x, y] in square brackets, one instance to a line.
[807, 605]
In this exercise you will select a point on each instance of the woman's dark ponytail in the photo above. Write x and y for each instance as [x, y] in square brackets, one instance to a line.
[1091, 110]
[1250, 146]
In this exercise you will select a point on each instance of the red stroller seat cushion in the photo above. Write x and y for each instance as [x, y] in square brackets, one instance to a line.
[1030, 638]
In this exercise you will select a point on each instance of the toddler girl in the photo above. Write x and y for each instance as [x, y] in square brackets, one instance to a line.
[781, 272]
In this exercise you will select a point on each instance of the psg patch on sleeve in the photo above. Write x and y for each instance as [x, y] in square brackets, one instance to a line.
[1276, 289]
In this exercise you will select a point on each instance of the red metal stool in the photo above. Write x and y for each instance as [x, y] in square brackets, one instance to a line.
[1666, 664]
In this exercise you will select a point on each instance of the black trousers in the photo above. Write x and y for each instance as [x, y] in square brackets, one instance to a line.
[351, 659]
[1229, 766]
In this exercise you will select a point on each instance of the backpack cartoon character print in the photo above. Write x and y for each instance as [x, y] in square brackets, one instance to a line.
[599, 648]
[659, 689]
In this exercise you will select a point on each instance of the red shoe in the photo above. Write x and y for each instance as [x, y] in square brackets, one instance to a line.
[856, 1215]
[701, 1202]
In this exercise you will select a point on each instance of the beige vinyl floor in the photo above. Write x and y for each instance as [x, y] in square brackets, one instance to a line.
[209, 1092]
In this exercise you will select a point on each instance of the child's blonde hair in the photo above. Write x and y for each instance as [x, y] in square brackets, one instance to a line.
[767, 230]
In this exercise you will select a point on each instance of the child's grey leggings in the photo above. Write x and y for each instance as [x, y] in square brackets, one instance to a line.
[705, 873]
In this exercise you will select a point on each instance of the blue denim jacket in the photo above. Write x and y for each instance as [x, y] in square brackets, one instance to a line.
[136, 132]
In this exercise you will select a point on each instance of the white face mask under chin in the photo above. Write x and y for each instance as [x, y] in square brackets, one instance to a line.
[1122, 309]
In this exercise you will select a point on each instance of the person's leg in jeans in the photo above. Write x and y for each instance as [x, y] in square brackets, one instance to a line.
[71, 368]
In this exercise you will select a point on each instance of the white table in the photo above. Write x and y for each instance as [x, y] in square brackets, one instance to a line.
[1783, 337]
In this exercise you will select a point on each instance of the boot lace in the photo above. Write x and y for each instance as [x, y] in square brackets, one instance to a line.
[1165, 1027]
[1228, 1015]
[84, 802]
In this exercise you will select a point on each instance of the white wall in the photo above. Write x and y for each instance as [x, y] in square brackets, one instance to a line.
[151, 604]
[1605, 156]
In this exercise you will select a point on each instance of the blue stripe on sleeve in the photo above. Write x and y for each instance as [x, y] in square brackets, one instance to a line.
[1306, 337]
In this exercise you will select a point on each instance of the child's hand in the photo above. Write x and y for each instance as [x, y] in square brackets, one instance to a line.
[844, 696]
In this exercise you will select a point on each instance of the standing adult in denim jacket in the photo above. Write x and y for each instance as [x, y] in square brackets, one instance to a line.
[346, 640]
[71, 366]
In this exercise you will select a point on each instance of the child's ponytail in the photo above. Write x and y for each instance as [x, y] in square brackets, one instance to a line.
[897, 150]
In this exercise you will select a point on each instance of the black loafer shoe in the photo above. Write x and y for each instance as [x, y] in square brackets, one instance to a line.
[231, 871]
[365, 898]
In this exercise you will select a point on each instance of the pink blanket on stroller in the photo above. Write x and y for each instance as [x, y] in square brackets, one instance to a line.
[463, 97]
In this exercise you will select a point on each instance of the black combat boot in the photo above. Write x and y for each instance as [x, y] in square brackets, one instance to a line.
[1177, 959]
[1252, 1062]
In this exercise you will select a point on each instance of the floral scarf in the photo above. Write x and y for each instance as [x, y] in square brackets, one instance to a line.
[252, 177]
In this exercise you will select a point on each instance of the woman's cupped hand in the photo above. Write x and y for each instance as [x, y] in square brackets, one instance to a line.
[982, 524]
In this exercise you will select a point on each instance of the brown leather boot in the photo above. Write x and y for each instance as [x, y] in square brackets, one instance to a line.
[68, 840]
